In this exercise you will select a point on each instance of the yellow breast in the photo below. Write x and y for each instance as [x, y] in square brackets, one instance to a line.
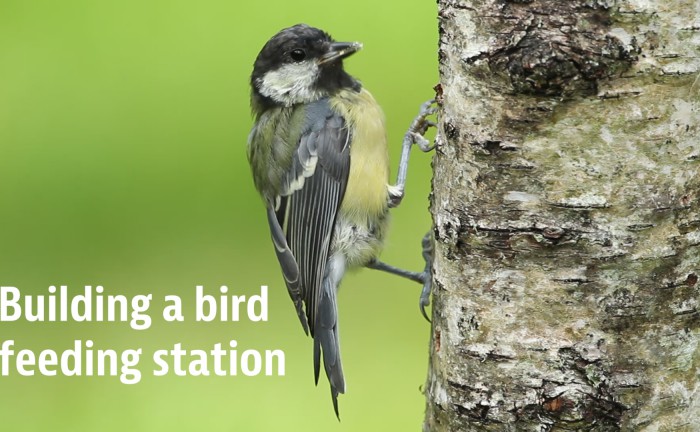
[366, 194]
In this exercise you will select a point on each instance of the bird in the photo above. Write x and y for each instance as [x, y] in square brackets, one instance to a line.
[319, 159]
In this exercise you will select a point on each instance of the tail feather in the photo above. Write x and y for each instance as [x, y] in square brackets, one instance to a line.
[326, 341]
[334, 395]
[317, 359]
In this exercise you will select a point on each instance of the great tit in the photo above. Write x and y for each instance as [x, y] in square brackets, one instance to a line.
[319, 158]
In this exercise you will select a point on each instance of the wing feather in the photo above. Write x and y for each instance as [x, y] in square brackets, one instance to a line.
[311, 194]
[311, 222]
[302, 218]
[290, 268]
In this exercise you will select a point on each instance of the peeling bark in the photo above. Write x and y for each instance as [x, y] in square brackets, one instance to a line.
[566, 206]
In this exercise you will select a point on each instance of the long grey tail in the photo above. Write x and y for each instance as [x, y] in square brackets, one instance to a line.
[326, 333]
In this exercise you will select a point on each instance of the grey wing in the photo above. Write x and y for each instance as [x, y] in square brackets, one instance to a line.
[307, 210]
[290, 268]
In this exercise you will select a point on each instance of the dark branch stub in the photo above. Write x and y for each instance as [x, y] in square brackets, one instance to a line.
[554, 48]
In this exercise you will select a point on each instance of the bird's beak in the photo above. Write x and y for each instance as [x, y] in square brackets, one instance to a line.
[339, 50]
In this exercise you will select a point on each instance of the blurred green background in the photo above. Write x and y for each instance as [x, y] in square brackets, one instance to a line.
[122, 163]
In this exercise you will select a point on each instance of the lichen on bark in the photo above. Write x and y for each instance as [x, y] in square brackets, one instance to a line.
[566, 210]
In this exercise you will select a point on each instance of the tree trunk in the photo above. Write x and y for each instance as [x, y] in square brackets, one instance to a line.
[566, 212]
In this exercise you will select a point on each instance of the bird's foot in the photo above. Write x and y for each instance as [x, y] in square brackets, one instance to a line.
[421, 124]
[425, 277]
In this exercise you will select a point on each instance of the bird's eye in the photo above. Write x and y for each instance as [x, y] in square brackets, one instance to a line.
[297, 55]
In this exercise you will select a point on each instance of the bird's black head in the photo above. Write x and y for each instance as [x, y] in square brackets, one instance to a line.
[300, 64]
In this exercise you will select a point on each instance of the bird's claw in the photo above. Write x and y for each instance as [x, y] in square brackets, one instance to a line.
[428, 108]
[425, 295]
[426, 276]
[421, 124]
[422, 142]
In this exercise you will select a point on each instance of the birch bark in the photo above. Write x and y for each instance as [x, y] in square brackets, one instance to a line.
[566, 206]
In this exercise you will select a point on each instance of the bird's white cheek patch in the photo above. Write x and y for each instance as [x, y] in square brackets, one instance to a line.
[292, 83]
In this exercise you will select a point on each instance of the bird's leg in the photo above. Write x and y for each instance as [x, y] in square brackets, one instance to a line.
[414, 135]
[424, 277]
